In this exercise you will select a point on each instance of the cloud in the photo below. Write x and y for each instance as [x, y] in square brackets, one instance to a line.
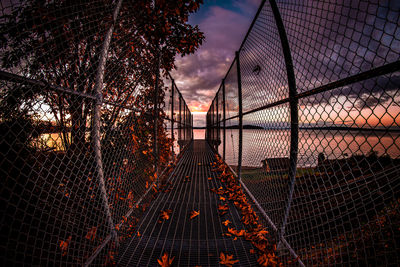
[331, 43]
[247, 7]
[365, 94]
[198, 76]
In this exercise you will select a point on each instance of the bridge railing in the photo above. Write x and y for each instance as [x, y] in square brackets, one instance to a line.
[86, 140]
[308, 118]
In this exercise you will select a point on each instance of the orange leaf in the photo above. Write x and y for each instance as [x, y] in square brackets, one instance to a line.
[226, 222]
[236, 232]
[91, 234]
[261, 233]
[227, 259]
[223, 209]
[194, 214]
[165, 214]
[64, 245]
[165, 261]
[267, 260]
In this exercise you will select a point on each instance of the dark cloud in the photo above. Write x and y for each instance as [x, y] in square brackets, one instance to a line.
[365, 94]
[329, 41]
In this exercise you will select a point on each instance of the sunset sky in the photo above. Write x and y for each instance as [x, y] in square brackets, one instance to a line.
[224, 23]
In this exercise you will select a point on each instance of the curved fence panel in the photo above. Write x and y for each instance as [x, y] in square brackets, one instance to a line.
[320, 92]
[86, 135]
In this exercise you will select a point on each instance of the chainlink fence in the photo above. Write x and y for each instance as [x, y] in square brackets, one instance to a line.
[308, 117]
[87, 137]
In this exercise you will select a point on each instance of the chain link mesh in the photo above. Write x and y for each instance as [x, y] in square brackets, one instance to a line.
[344, 208]
[54, 211]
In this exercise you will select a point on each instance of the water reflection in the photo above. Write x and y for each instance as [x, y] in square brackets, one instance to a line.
[261, 144]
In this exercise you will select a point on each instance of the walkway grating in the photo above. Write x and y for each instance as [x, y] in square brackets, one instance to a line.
[192, 242]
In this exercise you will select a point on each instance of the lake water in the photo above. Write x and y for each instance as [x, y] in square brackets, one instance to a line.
[261, 144]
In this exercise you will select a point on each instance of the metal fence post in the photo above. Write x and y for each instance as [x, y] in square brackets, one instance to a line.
[212, 124]
[239, 80]
[172, 116]
[180, 121]
[98, 87]
[184, 120]
[156, 117]
[217, 123]
[192, 127]
[224, 118]
[293, 103]
[207, 126]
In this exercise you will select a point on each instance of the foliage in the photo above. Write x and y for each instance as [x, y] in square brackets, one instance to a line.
[194, 214]
[60, 43]
[254, 232]
[227, 260]
[165, 260]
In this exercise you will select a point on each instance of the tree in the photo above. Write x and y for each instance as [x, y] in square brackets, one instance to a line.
[59, 42]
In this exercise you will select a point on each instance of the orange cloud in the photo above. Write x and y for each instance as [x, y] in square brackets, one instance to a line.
[196, 106]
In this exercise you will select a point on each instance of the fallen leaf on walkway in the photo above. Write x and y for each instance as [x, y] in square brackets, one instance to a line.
[267, 260]
[223, 209]
[261, 234]
[226, 222]
[165, 214]
[138, 234]
[219, 191]
[194, 214]
[165, 261]
[64, 245]
[91, 234]
[235, 232]
[227, 259]
[255, 233]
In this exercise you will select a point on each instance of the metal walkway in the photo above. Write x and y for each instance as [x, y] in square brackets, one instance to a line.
[192, 242]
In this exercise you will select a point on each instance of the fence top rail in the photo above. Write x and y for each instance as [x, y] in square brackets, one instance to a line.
[386, 69]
